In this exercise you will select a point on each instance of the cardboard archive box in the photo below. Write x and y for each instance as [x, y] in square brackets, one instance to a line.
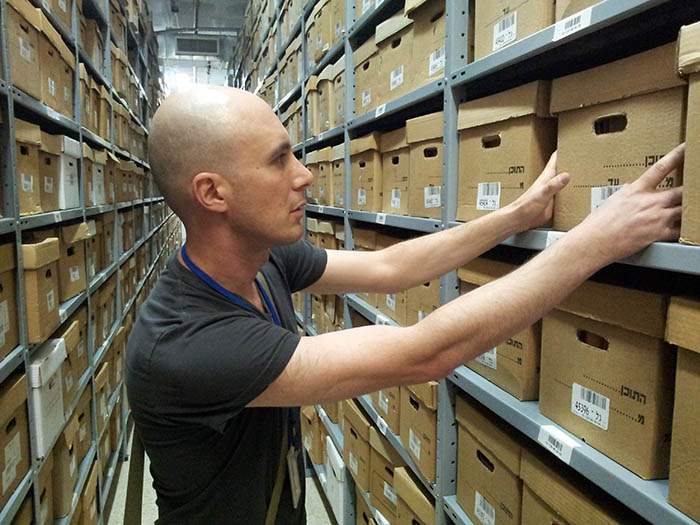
[68, 152]
[499, 23]
[387, 403]
[112, 177]
[115, 424]
[28, 143]
[338, 109]
[505, 141]
[311, 433]
[83, 416]
[338, 175]
[65, 471]
[103, 114]
[94, 251]
[105, 451]
[513, 365]
[566, 8]
[422, 300]
[97, 192]
[56, 65]
[87, 505]
[424, 137]
[363, 511]
[311, 97]
[85, 100]
[324, 182]
[336, 481]
[384, 460]
[394, 305]
[322, 15]
[683, 329]
[326, 96]
[88, 159]
[120, 71]
[337, 20]
[428, 53]
[394, 40]
[395, 171]
[615, 121]
[71, 265]
[607, 375]
[102, 392]
[9, 333]
[95, 104]
[356, 449]
[418, 423]
[14, 436]
[414, 506]
[366, 172]
[45, 485]
[108, 240]
[116, 366]
[23, 28]
[41, 287]
[46, 385]
[72, 368]
[368, 92]
[689, 65]
[93, 42]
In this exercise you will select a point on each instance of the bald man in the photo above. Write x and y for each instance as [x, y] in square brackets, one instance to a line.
[215, 367]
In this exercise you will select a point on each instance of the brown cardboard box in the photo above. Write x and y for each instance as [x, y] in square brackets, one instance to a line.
[505, 141]
[25, 513]
[363, 511]
[513, 365]
[384, 460]
[84, 417]
[72, 368]
[28, 141]
[311, 99]
[94, 43]
[102, 391]
[108, 248]
[683, 329]
[310, 35]
[635, 107]
[41, 288]
[324, 182]
[95, 104]
[56, 64]
[606, 361]
[326, 97]
[71, 265]
[428, 54]
[104, 111]
[105, 451]
[338, 109]
[418, 424]
[495, 30]
[488, 466]
[368, 92]
[366, 171]
[312, 165]
[338, 175]
[535, 510]
[94, 251]
[332, 410]
[387, 403]
[117, 22]
[422, 300]
[311, 433]
[689, 65]
[424, 137]
[394, 39]
[49, 171]
[317, 314]
[65, 472]
[23, 32]
[88, 511]
[395, 171]
[365, 241]
[566, 8]
[85, 100]
[414, 506]
[88, 187]
[394, 305]
[115, 425]
[65, 12]
[356, 451]
[14, 438]
[45, 486]
[337, 20]
[322, 15]
[9, 333]
[116, 367]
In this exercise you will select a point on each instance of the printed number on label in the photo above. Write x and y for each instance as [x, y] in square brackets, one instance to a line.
[484, 510]
[27, 183]
[437, 61]
[431, 196]
[489, 358]
[379, 111]
[361, 197]
[50, 301]
[557, 442]
[366, 98]
[589, 405]
[389, 493]
[414, 443]
[504, 31]
[391, 301]
[383, 402]
[396, 199]
[396, 78]
[600, 194]
[572, 24]
[488, 196]
[381, 424]
[381, 218]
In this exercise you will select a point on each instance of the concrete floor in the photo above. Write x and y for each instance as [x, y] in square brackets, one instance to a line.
[317, 511]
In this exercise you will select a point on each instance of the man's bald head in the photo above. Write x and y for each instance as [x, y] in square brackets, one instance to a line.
[200, 131]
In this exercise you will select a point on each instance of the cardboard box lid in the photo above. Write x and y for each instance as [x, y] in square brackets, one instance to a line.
[309, 413]
[104, 94]
[7, 257]
[84, 74]
[324, 154]
[51, 143]
[340, 231]
[70, 431]
[335, 460]
[13, 392]
[94, 85]
[312, 157]
[393, 140]
[356, 418]
[78, 232]
[27, 133]
[529, 99]
[366, 143]
[365, 238]
[610, 304]
[639, 74]
[338, 152]
[111, 157]
[365, 51]
[71, 335]
[312, 224]
[491, 432]
[683, 323]
[29, 12]
[427, 393]
[90, 489]
[427, 127]
[101, 377]
[48, 29]
[390, 27]
[295, 45]
[689, 49]
[87, 152]
[99, 156]
[39, 254]
[412, 5]
[46, 361]
[413, 496]
[384, 448]
[481, 271]
[120, 336]
[327, 227]
[311, 84]
[326, 74]
[338, 67]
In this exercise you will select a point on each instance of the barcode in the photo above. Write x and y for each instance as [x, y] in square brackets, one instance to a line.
[570, 24]
[508, 21]
[488, 196]
[396, 78]
[432, 190]
[484, 510]
[396, 198]
[555, 443]
[490, 188]
[437, 61]
[431, 196]
[593, 398]
[600, 194]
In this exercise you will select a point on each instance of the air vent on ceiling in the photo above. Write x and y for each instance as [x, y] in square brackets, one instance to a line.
[197, 45]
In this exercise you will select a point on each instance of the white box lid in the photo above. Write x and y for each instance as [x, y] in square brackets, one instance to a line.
[46, 362]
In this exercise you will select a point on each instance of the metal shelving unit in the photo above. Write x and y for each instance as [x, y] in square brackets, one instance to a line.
[333, 429]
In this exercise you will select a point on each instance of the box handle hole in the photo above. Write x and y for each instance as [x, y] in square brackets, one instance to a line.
[354, 434]
[394, 160]
[591, 339]
[395, 43]
[11, 425]
[610, 124]
[363, 164]
[484, 460]
[365, 66]
[429, 153]
[413, 402]
[389, 471]
[437, 17]
[490, 141]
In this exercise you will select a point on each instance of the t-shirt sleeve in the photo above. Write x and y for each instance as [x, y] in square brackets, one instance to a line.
[303, 264]
[231, 362]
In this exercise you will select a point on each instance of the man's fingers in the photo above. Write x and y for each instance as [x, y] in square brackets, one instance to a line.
[672, 197]
[654, 175]
[555, 185]
[674, 214]
[672, 233]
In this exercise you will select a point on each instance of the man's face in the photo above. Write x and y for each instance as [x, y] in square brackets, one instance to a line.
[269, 183]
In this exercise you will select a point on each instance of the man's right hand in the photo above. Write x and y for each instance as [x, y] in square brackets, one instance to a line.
[638, 214]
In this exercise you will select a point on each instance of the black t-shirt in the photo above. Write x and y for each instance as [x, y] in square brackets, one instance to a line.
[194, 360]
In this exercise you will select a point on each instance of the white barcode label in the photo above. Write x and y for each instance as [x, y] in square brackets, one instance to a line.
[321, 209]
[396, 78]
[489, 358]
[73, 465]
[361, 197]
[93, 509]
[321, 190]
[46, 4]
[589, 405]
[422, 315]
[488, 196]
[377, 3]
[309, 193]
[553, 237]
[431, 196]
[414, 443]
[66, 94]
[81, 349]
[484, 510]
[4, 318]
[27, 183]
[69, 381]
[600, 194]
[381, 218]
[504, 31]
[50, 301]
[389, 493]
[557, 442]
[353, 463]
[396, 199]
[13, 455]
[366, 6]
[48, 185]
[74, 273]
[391, 301]
[379, 111]
[382, 320]
[25, 49]
[52, 86]
[366, 97]
[437, 61]
[338, 29]
[572, 24]
[384, 402]
[307, 442]
[381, 424]
[63, 6]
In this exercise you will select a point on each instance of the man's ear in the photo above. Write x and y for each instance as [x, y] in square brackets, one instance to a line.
[209, 190]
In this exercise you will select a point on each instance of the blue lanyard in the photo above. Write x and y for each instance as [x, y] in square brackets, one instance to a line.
[223, 291]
